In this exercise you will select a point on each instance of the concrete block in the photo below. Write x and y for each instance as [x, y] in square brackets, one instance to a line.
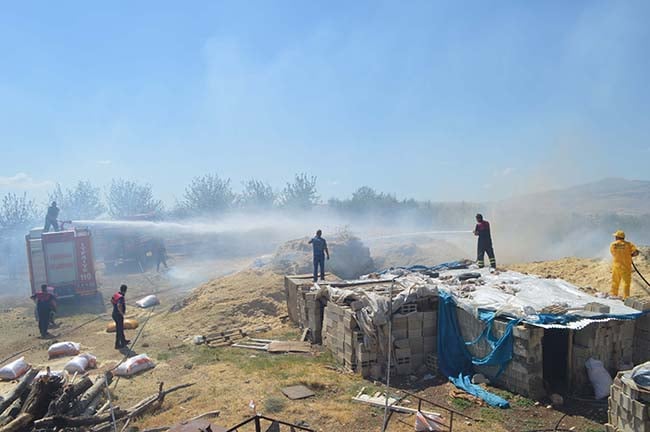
[429, 344]
[597, 307]
[400, 322]
[402, 343]
[640, 410]
[401, 353]
[400, 334]
[416, 343]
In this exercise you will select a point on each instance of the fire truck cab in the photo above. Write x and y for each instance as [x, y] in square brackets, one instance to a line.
[63, 260]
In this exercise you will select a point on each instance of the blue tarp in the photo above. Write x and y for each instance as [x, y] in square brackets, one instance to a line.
[453, 265]
[454, 359]
[567, 318]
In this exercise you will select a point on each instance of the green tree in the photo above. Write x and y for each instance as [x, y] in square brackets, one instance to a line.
[208, 194]
[257, 194]
[17, 212]
[128, 198]
[81, 202]
[301, 193]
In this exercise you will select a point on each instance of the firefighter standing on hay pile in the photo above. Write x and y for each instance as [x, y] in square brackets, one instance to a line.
[320, 250]
[482, 231]
[622, 252]
[119, 309]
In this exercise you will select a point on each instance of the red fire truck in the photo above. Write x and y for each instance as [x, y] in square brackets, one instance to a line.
[63, 260]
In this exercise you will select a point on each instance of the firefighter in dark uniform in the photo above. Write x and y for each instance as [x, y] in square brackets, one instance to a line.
[51, 218]
[119, 309]
[482, 231]
[45, 305]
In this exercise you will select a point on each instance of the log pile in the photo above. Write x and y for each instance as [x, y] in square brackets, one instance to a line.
[47, 403]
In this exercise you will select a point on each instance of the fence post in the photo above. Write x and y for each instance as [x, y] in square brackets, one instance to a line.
[258, 426]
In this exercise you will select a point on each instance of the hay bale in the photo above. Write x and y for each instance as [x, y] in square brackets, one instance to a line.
[350, 258]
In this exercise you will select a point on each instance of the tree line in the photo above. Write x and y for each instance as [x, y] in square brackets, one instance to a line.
[212, 195]
[208, 194]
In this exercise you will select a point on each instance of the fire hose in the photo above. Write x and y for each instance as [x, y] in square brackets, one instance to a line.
[639, 273]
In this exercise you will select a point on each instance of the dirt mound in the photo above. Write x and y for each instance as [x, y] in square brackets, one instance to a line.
[350, 257]
[250, 298]
[403, 255]
[592, 273]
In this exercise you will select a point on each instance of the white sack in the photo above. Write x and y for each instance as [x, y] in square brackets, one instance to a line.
[61, 349]
[14, 370]
[81, 363]
[134, 365]
[148, 301]
[599, 377]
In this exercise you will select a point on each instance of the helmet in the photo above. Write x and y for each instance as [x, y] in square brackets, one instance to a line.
[619, 234]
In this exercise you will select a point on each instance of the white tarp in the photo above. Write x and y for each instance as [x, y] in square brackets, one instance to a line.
[524, 296]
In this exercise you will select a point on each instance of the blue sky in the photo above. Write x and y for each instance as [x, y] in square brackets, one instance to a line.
[433, 100]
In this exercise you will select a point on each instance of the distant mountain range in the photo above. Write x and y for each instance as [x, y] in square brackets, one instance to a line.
[610, 195]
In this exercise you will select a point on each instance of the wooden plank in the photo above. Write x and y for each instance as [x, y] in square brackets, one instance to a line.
[297, 392]
[289, 346]
[381, 403]
[258, 347]
[197, 425]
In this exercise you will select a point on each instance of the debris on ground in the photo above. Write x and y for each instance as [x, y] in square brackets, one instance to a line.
[49, 402]
[297, 392]
[275, 346]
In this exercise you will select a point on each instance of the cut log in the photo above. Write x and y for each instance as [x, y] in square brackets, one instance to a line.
[19, 390]
[82, 386]
[64, 403]
[96, 389]
[91, 409]
[19, 423]
[151, 402]
[73, 422]
[11, 412]
[43, 391]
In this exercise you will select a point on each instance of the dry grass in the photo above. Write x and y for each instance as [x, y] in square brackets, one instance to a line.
[592, 273]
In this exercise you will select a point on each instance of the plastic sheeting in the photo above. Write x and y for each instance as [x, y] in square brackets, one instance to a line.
[641, 375]
[454, 359]
[524, 296]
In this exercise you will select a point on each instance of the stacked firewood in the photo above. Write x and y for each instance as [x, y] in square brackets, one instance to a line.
[48, 403]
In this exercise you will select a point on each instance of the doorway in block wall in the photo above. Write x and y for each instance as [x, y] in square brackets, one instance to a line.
[555, 350]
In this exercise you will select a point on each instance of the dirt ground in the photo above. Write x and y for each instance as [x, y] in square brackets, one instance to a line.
[227, 378]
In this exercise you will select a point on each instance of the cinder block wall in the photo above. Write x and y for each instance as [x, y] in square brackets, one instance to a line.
[642, 340]
[303, 306]
[629, 408]
[524, 374]
[611, 342]
[414, 336]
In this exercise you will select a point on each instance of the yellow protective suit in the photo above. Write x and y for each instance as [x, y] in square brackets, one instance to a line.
[622, 252]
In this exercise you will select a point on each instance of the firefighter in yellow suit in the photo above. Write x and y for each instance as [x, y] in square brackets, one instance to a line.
[622, 251]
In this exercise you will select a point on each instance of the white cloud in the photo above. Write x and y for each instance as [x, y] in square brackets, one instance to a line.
[104, 162]
[504, 172]
[23, 181]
